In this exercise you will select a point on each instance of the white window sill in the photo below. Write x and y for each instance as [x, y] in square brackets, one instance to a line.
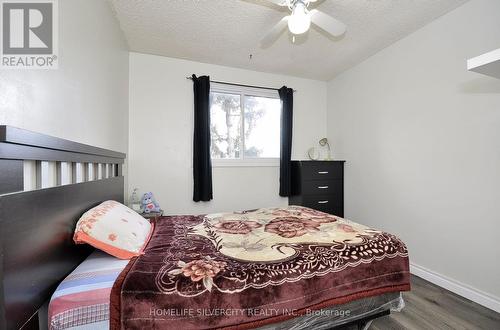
[269, 162]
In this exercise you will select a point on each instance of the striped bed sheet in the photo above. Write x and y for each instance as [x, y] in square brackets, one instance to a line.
[81, 301]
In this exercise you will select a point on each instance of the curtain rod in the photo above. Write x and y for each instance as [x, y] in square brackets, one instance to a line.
[240, 85]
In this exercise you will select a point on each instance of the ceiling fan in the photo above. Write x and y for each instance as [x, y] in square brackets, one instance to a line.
[300, 21]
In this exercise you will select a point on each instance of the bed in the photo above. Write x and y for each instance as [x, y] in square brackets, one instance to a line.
[239, 270]
[82, 299]
[253, 261]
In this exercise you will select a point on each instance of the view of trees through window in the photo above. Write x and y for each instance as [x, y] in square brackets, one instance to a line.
[244, 126]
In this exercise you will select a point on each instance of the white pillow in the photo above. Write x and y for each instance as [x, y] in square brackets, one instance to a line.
[115, 229]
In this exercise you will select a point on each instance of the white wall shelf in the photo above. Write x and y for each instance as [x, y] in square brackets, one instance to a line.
[488, 64]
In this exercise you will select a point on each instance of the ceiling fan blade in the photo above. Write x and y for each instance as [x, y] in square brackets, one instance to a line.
[331, 25]
[275, 33]
[278, 2]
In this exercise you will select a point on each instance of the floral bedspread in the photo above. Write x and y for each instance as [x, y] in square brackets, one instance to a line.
[246, 269]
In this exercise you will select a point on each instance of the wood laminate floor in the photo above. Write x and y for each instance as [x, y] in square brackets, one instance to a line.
[431, 307]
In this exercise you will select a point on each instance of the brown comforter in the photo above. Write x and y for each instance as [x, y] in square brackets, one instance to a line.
[244, 270]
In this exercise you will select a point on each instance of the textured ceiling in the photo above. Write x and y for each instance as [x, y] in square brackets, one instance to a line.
[226, 32]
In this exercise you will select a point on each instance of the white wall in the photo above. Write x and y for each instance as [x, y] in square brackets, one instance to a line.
[86, 99]
[161, 135]
[421, 137]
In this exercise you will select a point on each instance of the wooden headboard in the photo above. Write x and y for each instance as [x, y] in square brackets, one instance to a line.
[46, 184]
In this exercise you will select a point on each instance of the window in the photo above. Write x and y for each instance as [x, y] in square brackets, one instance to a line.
[244, 126]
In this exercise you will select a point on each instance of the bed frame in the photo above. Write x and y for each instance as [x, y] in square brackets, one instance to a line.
[46, 184]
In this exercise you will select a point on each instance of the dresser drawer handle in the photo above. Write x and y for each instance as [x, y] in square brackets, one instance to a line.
[323, 172]
[322, 202]
[323, 187]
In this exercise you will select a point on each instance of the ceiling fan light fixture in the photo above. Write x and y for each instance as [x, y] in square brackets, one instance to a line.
[300, 20]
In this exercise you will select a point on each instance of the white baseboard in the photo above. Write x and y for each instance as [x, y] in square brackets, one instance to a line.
[477, 296]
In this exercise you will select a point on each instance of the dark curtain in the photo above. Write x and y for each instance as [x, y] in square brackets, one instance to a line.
[286, 96]
[202, 165]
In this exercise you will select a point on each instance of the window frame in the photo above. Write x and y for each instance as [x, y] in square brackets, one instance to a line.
[243, 91]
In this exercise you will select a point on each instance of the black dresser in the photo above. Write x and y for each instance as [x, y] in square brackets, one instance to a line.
[318, 185]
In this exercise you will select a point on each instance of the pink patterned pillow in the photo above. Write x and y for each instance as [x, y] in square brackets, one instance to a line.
[115, 229]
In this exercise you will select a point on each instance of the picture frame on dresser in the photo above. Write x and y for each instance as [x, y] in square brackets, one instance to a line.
[318, 185]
